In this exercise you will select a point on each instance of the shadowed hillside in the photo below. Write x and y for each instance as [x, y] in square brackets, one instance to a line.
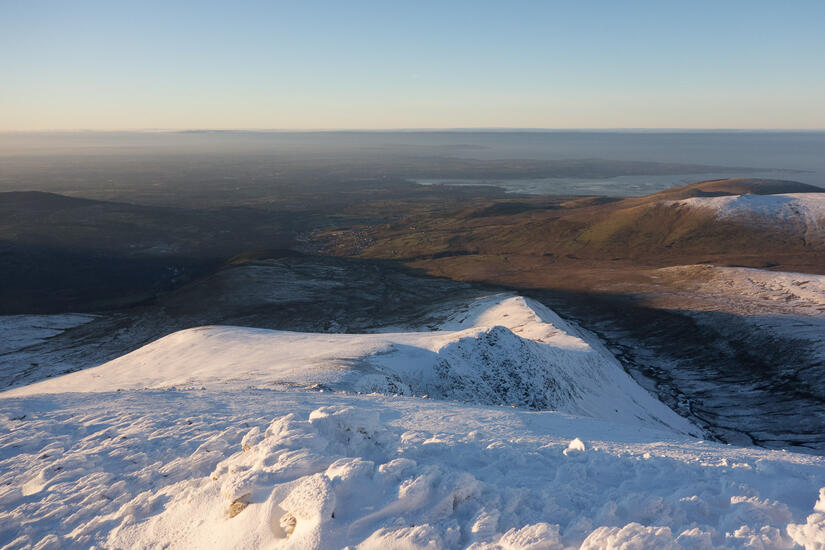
[60, 254]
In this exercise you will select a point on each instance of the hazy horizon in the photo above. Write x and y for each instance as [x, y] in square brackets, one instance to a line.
[468, 129]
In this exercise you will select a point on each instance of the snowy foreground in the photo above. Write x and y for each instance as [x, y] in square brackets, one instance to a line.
[225, 437]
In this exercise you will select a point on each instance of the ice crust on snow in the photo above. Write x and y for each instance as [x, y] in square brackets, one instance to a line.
[575, 446]
[499, 350]
[811, 534]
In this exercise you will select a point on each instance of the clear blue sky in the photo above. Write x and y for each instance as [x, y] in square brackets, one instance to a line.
[115, 64]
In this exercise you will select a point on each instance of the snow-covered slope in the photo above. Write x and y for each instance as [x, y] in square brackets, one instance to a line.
[502, 350]
[804, 209]
[209, 438]
[749, 291]
[306, 470]
[22, 331]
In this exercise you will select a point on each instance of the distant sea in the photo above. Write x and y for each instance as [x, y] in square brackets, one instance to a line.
[789, 155]
[798, 156]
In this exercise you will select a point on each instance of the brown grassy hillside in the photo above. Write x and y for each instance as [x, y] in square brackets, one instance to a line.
[567, 242]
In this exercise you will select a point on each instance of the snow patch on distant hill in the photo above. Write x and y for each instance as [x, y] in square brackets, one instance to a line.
[750, 290]
[805, 292]
[499, 350]
[807, 209]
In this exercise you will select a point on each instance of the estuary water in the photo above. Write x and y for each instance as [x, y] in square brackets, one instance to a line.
[793, 155]
[798, 156]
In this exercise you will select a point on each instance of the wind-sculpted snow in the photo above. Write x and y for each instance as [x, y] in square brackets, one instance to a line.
[209, 438]
[502, 350]
[812, 533]
[271, 469]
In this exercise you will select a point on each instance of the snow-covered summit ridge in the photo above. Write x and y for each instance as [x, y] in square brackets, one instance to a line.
[497, 350]
[803, 208]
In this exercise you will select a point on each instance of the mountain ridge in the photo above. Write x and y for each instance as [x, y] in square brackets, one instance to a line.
[503, 350]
